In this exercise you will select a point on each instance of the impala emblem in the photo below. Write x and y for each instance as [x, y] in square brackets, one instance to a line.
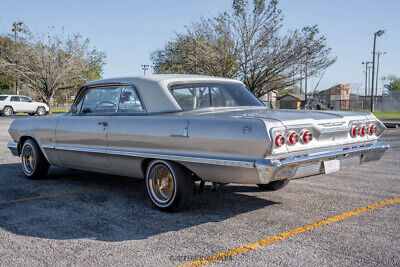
[330, 124]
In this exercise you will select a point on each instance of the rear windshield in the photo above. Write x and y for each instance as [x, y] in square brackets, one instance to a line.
[204, 95]
[3, 97]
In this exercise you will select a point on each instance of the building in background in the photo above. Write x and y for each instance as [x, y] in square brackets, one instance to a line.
[269, 99]
[291, 101]
[336, 97]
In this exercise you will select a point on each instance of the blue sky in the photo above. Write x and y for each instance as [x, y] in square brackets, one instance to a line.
[127, 31]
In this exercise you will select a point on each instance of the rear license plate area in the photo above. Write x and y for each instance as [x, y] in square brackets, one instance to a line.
[331, 166]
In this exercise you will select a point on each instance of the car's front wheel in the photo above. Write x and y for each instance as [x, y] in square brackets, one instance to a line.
[273, 186]
[8, 111]
[41, 111]
[34, 163]
[169, 185]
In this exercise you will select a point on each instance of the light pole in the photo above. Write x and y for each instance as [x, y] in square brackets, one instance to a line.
[369, 80]
[366, 76]
[17, 27]
[378, 33]
[377, 71]
[144, 68]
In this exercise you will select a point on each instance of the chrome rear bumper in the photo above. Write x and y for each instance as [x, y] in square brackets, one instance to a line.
[13, 146]
[313, 163]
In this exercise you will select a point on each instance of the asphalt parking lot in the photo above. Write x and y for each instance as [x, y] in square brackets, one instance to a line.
[82, 218]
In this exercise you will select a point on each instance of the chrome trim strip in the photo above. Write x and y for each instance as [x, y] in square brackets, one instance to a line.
[334, 129]
[131, 153]
[81, 149]
[213, 161]
[13, 146]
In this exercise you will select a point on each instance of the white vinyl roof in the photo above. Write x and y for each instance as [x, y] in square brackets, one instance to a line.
[154, 89]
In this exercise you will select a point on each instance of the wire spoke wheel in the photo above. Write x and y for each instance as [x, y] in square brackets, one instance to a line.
[162, 184]
[28, 159]
[169, 185]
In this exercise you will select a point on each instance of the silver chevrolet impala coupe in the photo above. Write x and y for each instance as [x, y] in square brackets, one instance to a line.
[174, 130]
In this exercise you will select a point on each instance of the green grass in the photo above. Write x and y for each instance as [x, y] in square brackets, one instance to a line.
[386, 114]
[58, 110]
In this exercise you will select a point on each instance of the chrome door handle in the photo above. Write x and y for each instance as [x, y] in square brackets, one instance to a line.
[103, 123]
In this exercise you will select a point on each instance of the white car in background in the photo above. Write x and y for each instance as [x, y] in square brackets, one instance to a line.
[11, 104]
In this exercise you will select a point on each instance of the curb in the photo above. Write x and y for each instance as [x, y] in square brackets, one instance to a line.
[391, 123]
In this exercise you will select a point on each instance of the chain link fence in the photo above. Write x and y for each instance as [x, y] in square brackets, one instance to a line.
[390, 102]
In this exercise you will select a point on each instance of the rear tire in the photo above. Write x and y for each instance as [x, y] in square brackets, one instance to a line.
[34, 164]
[274, 186]
[169, 185]
[8, 111]
[41, 111]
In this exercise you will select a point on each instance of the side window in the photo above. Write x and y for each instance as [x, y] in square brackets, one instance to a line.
[101, 100]
[25, 99]
[129, 101]
[192, 97]
[15, 98]
[221, 98]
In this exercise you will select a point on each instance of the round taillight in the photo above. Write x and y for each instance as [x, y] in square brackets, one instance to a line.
[306, 137]
[354, 131]
[363, 130]
[279, 140]
[372, 129]
[293, 138]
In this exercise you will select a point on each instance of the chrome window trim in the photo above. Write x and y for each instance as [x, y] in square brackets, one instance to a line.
[82, 93]
[209, 83]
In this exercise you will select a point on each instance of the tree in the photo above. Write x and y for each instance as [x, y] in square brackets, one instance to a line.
[392, 83]
[260, 55]
[6, 79]
[206, 48]
[47, 62]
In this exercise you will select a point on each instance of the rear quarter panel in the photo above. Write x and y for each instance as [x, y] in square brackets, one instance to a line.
[216, 138]
[41, 129]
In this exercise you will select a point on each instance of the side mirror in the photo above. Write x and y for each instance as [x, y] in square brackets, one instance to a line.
[73, 110]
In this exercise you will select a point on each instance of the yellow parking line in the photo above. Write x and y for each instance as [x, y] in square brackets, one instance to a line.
[56, 195]
[273, 239]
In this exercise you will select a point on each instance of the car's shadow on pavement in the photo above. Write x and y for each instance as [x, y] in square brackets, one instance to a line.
[120, 212]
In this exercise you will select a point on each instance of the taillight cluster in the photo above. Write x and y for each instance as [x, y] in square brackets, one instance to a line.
[363, 130]
[292, 138]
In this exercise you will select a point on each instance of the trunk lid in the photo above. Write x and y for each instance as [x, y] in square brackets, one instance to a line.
[285, 116]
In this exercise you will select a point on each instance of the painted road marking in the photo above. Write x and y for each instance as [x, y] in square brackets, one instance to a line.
[273, 239]
[57, 194]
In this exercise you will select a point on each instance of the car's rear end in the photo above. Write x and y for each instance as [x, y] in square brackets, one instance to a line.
[315, 142]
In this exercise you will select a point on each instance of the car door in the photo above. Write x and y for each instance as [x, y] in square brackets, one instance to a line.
[27, 104]
[126, 134]
[81, 134]
[16, 104]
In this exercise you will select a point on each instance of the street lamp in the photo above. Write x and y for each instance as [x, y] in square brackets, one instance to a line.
[377, 71]
[144, 68]
[366, 78]
[378, 33]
